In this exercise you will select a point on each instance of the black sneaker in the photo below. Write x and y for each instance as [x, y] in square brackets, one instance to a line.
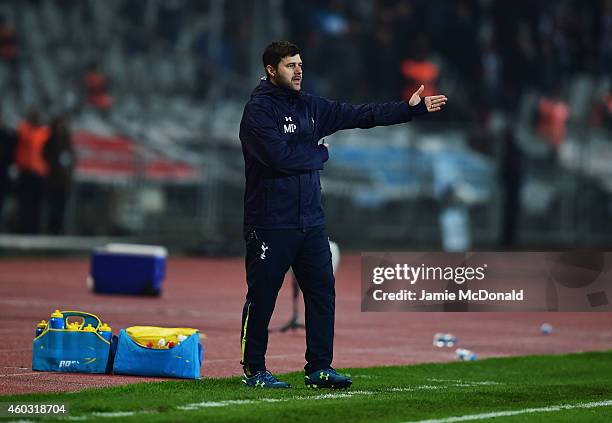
[264, 379]
[327, 378]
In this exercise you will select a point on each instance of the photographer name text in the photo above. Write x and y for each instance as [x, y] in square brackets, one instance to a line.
[461, 295]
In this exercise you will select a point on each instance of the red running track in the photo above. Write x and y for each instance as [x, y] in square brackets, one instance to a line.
[208, 294]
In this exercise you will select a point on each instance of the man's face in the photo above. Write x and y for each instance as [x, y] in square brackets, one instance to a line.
[288, 73]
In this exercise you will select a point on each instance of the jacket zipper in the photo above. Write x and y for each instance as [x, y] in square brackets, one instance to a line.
[301, 223]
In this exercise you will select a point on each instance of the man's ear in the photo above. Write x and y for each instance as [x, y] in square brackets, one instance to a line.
[270, 70]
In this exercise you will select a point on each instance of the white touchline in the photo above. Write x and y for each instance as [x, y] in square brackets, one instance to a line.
[455, 384]
[548, 409]
[347, 394]
[209, 404]
[323, 396]
[116, 413]
[485, 382]
[415, 388]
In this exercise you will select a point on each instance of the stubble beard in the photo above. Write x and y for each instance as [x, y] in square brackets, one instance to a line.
[288, 83]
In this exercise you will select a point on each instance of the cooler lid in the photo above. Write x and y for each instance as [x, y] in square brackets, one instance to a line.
[135, 249]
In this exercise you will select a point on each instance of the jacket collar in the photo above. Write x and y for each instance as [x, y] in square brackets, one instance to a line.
[265, 87]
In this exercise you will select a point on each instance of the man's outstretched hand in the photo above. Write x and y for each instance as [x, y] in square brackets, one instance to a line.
[432, 103]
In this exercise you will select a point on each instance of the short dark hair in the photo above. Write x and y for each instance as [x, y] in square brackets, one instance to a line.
[275, 51]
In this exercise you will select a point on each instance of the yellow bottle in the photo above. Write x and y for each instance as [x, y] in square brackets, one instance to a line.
[73, 326]
[106, 332]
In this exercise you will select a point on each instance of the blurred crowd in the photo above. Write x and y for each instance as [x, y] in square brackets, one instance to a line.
[487, 52]
[129, 60]
[535, 65]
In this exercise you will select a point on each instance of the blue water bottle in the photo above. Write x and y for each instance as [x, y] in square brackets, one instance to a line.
[106, 332]
[444, 340]
[57, 320]
[438, 340]
[40, 328]
[450, 340]
[465, 355]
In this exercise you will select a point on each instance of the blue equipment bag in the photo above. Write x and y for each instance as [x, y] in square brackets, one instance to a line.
[182, 361]
[72, 350]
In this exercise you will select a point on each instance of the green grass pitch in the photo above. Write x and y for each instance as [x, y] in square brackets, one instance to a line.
[560, 388]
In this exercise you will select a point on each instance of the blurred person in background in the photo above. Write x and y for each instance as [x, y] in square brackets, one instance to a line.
[553, 113]
[601, 111]
[9, 54]
[420, 69]
[33, 169]
[607, 109]
[462, 48]
[606, 39]
[284, 223]
[511, 180]
[61, 159]
[8, 140]
[96, 87]
[8, 41]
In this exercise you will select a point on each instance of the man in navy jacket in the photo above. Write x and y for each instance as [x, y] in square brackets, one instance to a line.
[284, 224]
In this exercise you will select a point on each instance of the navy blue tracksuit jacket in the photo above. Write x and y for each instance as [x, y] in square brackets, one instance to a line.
[279, 132]
[283, 216]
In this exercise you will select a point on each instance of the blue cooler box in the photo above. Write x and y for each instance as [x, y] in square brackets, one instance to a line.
[128, 269]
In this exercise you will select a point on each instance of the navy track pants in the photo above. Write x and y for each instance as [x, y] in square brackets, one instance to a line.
[269, 255]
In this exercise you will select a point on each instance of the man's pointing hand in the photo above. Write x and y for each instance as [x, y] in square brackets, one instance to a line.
[432, 103]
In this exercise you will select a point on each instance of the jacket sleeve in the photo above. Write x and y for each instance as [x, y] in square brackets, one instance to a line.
[334, 116]
[264, 142]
